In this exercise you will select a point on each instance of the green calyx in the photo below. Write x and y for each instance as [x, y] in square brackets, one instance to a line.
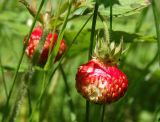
[106, 51]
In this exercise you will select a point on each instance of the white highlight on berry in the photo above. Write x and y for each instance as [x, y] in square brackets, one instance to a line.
[90, 69]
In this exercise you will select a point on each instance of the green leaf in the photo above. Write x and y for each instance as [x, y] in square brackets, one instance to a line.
[82, 41]
[132, 37]
[125, 7]
[16, 28]
[120, 7]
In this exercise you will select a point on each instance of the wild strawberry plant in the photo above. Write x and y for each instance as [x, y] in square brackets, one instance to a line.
[108, 51]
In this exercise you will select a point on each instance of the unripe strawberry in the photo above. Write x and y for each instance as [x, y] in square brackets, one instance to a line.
[34, 40]
[100, 80]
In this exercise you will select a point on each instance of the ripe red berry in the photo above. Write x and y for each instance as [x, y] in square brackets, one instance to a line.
[34, 40]
[99, 82]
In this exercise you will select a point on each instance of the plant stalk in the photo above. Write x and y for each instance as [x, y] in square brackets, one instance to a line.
[111, 19]
[32, 10]
[3, 79]
[157, 26]
[103, 112]
[93, 31]
[71, 105]
[52, 56]
[141, 19]
[91, 51]
[6, 112]
[59, 62]
[110, 35]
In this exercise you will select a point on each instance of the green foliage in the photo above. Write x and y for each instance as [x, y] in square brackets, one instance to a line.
[49, 94]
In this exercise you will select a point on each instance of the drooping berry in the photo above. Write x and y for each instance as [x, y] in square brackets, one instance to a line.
[101, 83]
[34, 40]
[100, 80]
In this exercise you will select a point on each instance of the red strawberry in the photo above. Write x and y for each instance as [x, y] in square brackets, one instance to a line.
[101, 83]
[100, 80]
[34, 40]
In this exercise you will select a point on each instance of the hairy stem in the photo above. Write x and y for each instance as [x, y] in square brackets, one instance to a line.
[32, 10]
[71, 105]
[6, 112]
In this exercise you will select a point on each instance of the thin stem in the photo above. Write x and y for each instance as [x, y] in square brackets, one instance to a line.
[55, 51]
[3, 79]
[103, 112]
[39, 101]
[107, 36]
[36, 55]
[32, 10]
[91, 50]
[4, 5]
[72, 42]
[87, 111]
[74, 39]
[111, 19]
[155, 114]
[141, 19]
[157, 25]
[49, 62]
[18, 103]
[19, 63]
[93, 31]
[67, 89]
[20, 95]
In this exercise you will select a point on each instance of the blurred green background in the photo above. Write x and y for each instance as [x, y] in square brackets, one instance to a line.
[140, 62]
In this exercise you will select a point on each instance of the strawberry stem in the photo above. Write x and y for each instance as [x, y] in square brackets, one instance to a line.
[59, 62]
[74, 39]
[32, 10]
[87, 110]
[53, 54]
[70, 101]
[111, 19]
[93, 30]
[91, 50]
[157, 26]
[103, 112]
[107, 35]
[110, 39]
[3, 79]
[72, 42]
[36, 55]
[6, 111]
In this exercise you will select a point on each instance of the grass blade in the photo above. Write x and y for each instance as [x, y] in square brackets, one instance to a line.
[157, 25]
